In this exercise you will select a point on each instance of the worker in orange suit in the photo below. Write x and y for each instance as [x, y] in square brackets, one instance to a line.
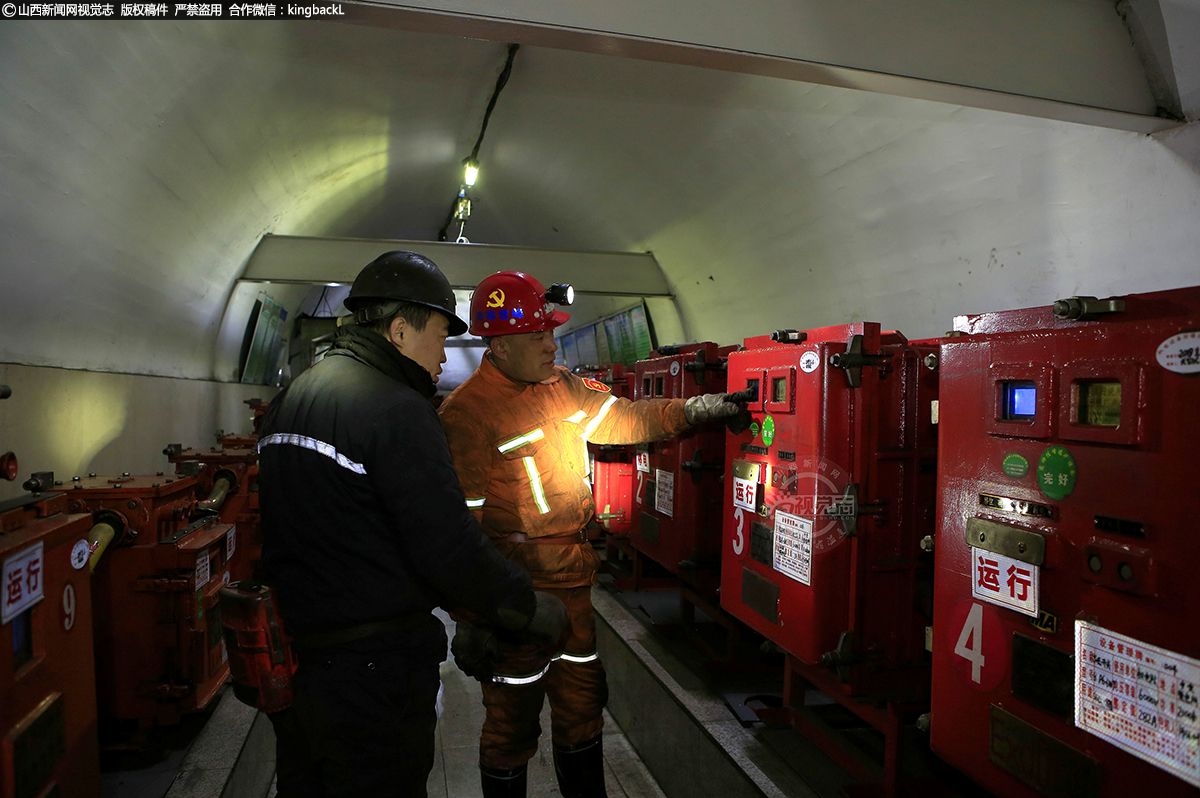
[518, 430]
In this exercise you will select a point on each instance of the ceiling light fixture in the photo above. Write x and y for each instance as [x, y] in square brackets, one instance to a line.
[460, 209]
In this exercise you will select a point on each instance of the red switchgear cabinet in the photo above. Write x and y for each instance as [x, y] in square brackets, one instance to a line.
[612, 466]
[1068, 451]
[228, 484]
[48, 742]
[680, 524]
[159, 652]
[828, 496]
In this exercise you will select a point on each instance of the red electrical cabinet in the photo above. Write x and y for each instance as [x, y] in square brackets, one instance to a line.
[612, 466]
[828, 496]
[227, 484]
[159, 652]
[679, 479]
[48, 743]
[1066, 641]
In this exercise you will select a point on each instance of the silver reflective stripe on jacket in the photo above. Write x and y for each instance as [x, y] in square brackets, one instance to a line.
[320, 447]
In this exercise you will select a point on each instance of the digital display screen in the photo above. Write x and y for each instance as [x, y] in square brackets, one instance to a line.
[1020, 401]
[779, 389]
[1100, 404]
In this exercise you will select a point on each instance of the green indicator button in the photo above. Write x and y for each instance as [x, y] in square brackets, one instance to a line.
[1015, 465]
[1056, 472]
[768, 430]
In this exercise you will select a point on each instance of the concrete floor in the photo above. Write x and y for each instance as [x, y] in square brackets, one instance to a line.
[200, 766]
[456, 766]
[455, 771]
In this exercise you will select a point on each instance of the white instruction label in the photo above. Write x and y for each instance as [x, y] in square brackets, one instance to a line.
[664, 492]
[792, 547]
[202, 569]
[1139, 697]
[1004, 581]
[642, 459]
[230, 543]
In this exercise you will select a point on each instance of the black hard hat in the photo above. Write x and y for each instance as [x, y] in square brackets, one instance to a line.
[405, 277]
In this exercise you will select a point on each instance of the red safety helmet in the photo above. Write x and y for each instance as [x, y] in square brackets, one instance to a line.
[513, 302]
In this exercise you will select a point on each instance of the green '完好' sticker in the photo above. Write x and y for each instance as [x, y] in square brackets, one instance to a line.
[1015, 465]
[768, 430]
[1056, 472]
[754, 430]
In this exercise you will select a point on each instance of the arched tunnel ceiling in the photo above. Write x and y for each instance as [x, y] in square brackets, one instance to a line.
[140, 164]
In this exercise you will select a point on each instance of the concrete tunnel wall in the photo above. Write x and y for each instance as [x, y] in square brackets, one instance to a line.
[142, 162]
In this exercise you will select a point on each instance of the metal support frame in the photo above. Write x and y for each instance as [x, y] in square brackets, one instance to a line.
[886, 715]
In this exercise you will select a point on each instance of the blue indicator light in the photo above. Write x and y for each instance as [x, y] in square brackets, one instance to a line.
[1020, 400]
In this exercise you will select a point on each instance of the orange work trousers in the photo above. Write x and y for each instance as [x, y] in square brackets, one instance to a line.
[571, 675]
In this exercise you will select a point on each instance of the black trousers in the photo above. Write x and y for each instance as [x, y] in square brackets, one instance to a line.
[362, 724]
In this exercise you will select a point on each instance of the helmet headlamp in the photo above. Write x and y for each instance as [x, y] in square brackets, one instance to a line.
[561, 294]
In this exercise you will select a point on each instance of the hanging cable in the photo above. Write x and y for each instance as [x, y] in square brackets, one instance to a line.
[460, 208]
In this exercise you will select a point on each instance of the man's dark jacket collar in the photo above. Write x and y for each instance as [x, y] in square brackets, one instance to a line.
[374, 350]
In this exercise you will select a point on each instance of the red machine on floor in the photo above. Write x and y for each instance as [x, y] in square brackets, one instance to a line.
[227, 484]
[1066, 657]
[829, 495]
[159, 652]
[680, 522]
[48, 742]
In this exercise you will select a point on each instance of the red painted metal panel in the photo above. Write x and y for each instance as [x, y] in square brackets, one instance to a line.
[158, 644]
[679, 526]
[1100, 469]
[48, 687]
[836, 486]
[238, 467]
[612, 466]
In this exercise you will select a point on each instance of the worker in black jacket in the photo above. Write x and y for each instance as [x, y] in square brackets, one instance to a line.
[365, 531]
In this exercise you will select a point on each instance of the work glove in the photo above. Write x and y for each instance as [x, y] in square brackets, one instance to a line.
[474, 647]
[548, 621]
[709, 407]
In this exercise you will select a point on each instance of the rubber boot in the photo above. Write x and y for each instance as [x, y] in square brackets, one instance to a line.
[503, 783]
[580, 769]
